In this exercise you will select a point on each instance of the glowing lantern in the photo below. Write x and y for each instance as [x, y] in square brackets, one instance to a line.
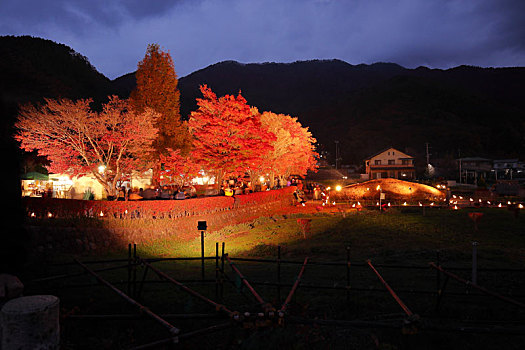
[405, 203]
[520, 206]
[101, 214]
[499, 205]
[431, 204]
[338, 188]
[33, 215]
[456, 207]
[49, 215]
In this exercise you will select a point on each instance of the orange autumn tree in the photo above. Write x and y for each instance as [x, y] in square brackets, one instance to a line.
[228, 136]
[293, 148]
[77, 141]
[157, 89]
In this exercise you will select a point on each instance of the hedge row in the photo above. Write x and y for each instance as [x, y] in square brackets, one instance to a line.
[66, 208]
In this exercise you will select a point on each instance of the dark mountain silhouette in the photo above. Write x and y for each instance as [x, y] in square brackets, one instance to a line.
[467, 111]
[460, 111]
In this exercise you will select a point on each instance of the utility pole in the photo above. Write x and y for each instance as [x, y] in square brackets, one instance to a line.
[428, 155]
[336, 154]
[459, 158]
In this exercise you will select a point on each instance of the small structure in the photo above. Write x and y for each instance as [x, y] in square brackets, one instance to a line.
[474, 168]
[508, 169]
[390, 163]
[65, 186]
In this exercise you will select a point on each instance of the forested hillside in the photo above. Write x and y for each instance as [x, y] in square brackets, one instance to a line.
[463, 111]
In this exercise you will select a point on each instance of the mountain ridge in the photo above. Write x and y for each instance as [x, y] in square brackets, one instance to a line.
[463, 110]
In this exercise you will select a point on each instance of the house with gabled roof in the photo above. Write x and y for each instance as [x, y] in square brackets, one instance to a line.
[390, 163]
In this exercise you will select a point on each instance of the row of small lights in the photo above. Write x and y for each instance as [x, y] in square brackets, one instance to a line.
[50, 215]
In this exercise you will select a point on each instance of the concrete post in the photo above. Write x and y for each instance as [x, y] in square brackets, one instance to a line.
[30, 323]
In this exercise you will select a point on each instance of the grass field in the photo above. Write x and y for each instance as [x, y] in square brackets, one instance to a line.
[391, 240]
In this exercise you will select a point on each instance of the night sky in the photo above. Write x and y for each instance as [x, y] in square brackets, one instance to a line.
[114, 35]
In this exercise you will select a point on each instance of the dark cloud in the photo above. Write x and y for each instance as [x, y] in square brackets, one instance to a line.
[436, 33]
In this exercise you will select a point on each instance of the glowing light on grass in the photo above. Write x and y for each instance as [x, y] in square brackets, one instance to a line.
[488, 202]
[508, 203]
[405, 203]
[420, 204]
[520, 206]
[471, 200]
[101, 214]
[432, 204]
[338, 188]
[454, 196]
[456, 207]
[49, 215]
[499, 205]
[33, 215]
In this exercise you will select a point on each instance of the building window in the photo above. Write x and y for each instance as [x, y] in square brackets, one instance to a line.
[407, 161]
[377, 162]
[391, 161]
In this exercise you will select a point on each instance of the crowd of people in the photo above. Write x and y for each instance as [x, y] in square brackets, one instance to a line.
[160, 192]
[230, 187]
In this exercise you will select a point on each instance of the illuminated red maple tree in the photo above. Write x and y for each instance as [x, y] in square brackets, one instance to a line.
[228, 136]
[177, 168]
[78, 141]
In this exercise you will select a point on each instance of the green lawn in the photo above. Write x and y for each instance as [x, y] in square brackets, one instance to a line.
[399, 237]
